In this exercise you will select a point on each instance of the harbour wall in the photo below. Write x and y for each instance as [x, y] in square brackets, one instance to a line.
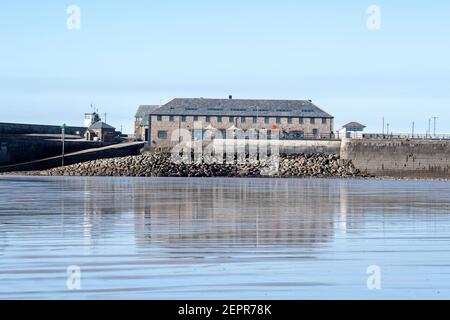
[399, 158]
[22, 128]
[327, 147]
[112, 151]
[22, 148]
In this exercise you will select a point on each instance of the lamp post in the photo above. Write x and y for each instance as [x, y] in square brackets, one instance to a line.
[63, 131]
[429, 127]
[434, 126]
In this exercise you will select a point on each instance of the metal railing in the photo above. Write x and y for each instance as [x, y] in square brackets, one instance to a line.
[405, 136]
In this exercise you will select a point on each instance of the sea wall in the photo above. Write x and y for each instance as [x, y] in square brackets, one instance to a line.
[21, 148]
[399, 158]
[113, 151]
[325, 147]
[23, 128]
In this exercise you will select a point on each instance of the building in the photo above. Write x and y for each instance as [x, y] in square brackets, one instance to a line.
[294, 119]
[101, 131]
[90, 119]
[142, 122]
[352, 130]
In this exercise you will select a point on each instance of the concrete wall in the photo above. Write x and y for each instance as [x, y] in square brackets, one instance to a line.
[117, 150]
[20, 128]
[288, 146]
[284, 146]
[399, 158]
[18, 148]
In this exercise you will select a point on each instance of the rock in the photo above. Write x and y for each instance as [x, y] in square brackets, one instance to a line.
[161, 165]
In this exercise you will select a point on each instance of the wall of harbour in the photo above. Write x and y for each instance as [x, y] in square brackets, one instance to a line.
[399, 158]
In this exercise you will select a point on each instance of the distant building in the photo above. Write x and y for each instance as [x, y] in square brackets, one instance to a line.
[101, 131]
[352, 130]
[143, 121]
[294, 119]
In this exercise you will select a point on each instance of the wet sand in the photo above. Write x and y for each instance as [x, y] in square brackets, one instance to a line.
[189, 238]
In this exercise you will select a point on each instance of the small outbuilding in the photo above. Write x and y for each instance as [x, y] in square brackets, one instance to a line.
[101, 131]
[352, 130]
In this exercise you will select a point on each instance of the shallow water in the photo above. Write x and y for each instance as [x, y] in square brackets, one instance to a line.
[168, 238]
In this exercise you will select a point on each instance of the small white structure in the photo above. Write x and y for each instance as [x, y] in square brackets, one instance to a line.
[90, 119]
[353, 130]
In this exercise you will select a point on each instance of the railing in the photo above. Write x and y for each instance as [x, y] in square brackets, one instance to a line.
[406, 136]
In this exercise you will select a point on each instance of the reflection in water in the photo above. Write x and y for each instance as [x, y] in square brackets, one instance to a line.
[232, 238]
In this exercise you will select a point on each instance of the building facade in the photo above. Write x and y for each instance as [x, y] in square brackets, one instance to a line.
[352, 130]
[102, 132]
[142, 122]
[293, 119]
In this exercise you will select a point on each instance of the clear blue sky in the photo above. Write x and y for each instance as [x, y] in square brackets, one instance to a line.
[142, 52]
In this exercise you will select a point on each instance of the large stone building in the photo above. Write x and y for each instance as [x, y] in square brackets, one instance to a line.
[294, 119]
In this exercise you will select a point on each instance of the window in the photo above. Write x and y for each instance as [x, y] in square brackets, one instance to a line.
[324, 120]
[243, 119]
[195, 118]
[183, 119]
[312, 120]
[266, 120]
[159, 118]
[315, 132]
[255, 120]
[290, 120]
[162, 134]
[301, 121]
[278, 120]
[219, 119]
[171, 118]
[231, 119]
[208, 119]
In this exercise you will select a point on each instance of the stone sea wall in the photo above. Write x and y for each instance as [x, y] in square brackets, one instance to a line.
[399, 158]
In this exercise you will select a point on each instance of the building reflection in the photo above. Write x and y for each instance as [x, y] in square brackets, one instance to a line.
[219, 212]
[227, 213]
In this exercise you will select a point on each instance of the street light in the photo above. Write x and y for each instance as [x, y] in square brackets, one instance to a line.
[63, 131]
[434, 128]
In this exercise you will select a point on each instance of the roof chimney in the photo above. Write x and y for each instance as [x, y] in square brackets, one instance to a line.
[230, 97]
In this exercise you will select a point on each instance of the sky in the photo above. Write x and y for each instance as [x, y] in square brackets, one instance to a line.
[128, 53]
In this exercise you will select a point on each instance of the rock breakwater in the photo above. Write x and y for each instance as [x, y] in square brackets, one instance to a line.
[161, 165]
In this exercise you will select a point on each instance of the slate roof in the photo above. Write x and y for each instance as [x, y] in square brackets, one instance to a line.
[144, 110]
[146, 120]
[241, 107]
[354, 125]
[101, 125]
